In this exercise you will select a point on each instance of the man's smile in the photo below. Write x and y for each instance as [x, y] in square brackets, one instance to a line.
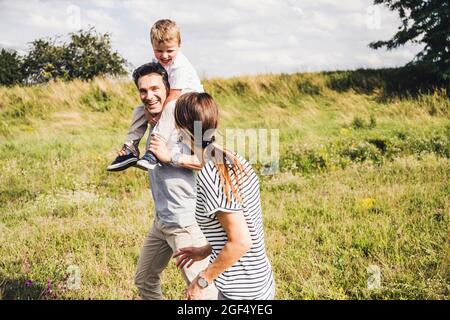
[152, 102]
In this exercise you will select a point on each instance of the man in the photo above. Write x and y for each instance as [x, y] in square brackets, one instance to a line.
[173, 191]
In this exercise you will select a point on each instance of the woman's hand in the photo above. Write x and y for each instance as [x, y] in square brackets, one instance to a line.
[187, 256]
[194, 292]
[159, 149]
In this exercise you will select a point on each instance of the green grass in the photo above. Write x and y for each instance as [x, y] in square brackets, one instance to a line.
[363, 181]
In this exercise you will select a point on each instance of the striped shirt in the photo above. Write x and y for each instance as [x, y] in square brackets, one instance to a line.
[251, 277]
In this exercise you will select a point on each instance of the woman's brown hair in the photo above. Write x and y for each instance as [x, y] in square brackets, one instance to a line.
[193, 107]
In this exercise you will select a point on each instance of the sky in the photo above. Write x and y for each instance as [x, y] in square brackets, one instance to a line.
[223, 39]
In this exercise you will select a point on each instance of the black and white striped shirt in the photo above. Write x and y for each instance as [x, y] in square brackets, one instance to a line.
[251, 277]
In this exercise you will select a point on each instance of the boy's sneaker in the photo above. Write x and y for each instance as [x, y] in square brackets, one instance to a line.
[148, 161]
[124, 162]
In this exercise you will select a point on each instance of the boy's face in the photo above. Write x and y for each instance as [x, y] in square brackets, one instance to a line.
[152, 92]
[166, 52]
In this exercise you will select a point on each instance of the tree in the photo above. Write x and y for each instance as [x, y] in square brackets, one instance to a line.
[423, 22]
[10, 68]
[90, 54]
[45, 61]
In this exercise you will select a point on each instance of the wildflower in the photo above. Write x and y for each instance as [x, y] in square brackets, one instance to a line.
[344, 131]
[367, 203]
[28, 283]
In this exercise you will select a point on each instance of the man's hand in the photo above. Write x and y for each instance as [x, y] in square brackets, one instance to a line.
[122, 152]
[159, 149]
[187, 256]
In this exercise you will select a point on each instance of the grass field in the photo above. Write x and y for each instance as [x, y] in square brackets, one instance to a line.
[364, 180]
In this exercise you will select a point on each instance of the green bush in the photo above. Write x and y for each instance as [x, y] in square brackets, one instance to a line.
[359, 123]
[342, 152]
[307, 87]
[10, 68]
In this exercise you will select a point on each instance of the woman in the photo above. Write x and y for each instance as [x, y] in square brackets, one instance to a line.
[228, 210]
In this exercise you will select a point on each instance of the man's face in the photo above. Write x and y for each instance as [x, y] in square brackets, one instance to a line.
[152, 92]
[166, 52]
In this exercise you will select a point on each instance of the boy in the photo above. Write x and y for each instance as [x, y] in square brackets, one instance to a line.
[166, 41]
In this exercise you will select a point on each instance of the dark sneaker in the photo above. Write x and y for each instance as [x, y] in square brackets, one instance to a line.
[148, 161]
[123, 162]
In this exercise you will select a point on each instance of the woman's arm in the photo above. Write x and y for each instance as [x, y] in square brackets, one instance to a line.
[159, 148]
[189, 162]
[239, 242]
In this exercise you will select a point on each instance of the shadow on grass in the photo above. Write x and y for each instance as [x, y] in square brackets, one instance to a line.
[20, 289]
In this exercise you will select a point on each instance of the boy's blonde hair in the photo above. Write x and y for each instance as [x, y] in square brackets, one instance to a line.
[165, 30]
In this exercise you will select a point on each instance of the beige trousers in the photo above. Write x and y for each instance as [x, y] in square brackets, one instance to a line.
[159, 245]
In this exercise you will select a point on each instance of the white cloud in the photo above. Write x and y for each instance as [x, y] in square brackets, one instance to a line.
[224, 38]
[37, 20]
[102, 21]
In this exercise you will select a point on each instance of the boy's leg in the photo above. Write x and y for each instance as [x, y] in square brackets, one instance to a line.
[148, 161]
[155, 255]
[164, 130]
[190, 236]
[130, 150]
[137, 129]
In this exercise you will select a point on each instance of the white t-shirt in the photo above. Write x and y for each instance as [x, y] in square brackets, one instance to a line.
[182, 75]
